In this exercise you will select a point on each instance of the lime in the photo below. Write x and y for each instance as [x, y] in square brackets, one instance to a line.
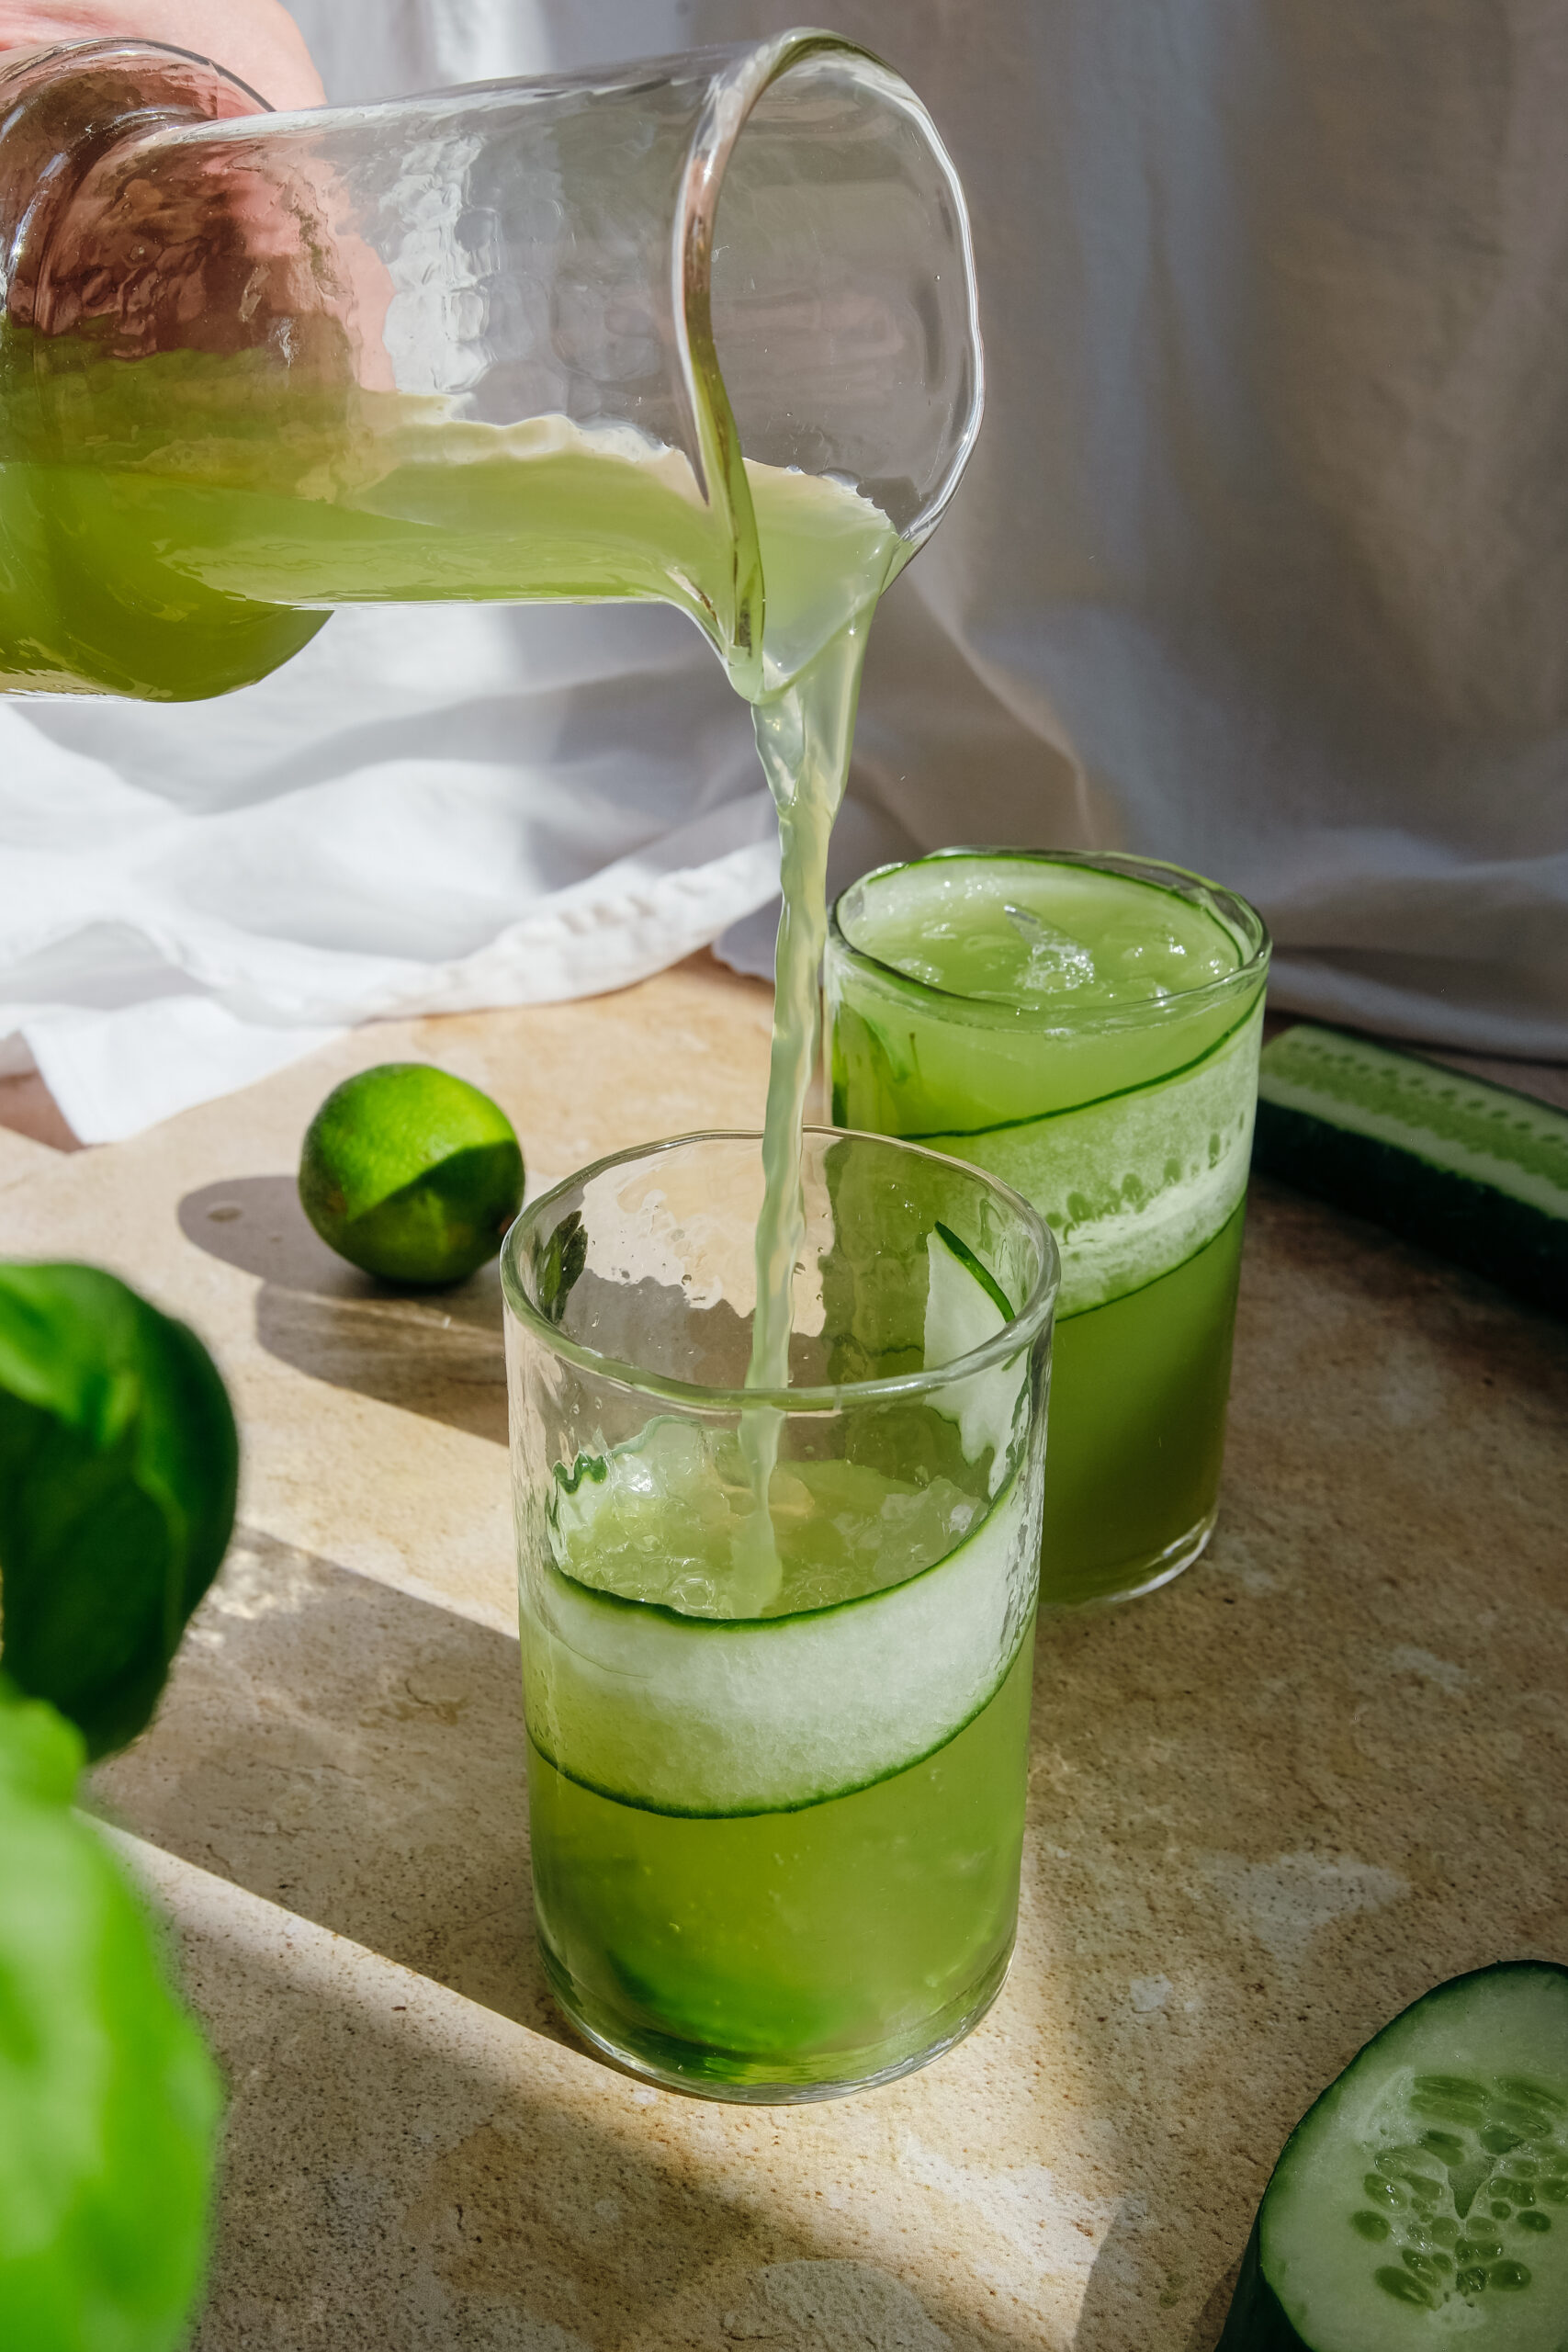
[411, 1173]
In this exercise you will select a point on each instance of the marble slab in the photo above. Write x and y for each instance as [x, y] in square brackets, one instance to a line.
[1268, 1807]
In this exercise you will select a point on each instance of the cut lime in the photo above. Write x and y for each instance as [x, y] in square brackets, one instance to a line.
[412, 1173]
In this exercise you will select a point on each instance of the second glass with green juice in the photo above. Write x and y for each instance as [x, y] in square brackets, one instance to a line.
[1088, 1028]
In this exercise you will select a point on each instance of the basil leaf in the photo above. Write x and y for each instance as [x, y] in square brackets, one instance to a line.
[108, 2101]
[118, 1463]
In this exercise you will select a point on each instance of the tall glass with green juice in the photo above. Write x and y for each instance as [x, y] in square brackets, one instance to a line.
[776, 1791]
[1087, 1028]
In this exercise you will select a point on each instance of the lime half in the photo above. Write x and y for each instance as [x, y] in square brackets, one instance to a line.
[412, 1173]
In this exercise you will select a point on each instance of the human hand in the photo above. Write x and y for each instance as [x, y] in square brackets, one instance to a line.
[256, 40]
[215, 252]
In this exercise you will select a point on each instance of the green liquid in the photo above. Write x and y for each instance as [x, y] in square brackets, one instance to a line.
[163, 521]
[1033, 935]
[1138, 1394]
[780, 1850]
[1062, 1028]
[804, 739]
[834, 1942]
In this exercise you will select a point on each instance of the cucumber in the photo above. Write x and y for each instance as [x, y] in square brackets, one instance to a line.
[1136, 1182]
[1473, 1171]
[965, 1306]
[712, 1717]
[1423, 2203]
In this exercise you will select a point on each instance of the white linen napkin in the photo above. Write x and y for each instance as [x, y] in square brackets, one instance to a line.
[429, 809]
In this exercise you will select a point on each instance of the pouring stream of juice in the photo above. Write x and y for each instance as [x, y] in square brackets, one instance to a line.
[804, 736]
[189, 488]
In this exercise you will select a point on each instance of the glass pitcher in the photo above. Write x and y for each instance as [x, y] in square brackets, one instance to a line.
[566, 338]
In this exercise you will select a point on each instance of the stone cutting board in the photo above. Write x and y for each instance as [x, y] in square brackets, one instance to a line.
[1268, 1805]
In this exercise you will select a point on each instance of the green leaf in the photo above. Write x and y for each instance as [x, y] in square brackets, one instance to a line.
[109, 2103]
[118, 1463]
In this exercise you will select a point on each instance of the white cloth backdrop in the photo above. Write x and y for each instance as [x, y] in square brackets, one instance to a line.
[1262, 565]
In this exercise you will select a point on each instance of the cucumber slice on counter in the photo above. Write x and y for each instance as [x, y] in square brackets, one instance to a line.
[1471, 1170]
[1423, 2203]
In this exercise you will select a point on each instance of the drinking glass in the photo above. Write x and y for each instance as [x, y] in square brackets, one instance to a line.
[1130, 1127]
[776, 1759]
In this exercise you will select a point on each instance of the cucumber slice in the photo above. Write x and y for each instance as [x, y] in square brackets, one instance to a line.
[1473, 1171]
[901, 1602]
[1134, 1182]
[1423, 2203]
[965, 1306]
[966, 1316]
[709, 1716]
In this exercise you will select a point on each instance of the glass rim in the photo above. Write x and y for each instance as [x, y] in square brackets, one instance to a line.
[1021, 1330]
[1057, 1018]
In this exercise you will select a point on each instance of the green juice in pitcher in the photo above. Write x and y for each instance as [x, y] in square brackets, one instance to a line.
[1089, 1030]
[168, 522]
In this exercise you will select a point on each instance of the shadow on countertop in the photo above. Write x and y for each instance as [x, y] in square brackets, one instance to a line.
[1122, 2285]
[438, 1352]
[355, 1754]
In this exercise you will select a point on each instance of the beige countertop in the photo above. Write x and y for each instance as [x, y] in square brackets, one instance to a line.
[1269, 1805]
